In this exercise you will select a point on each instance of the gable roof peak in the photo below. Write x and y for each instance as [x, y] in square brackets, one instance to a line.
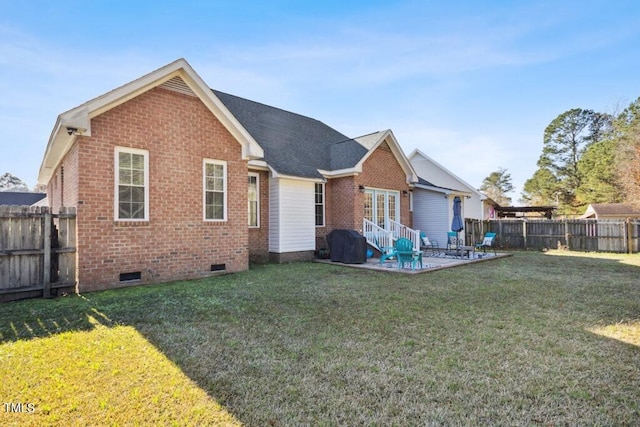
[77, 121]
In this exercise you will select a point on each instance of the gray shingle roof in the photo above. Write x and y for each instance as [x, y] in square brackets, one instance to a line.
[423, 181]
[294, 144]
[20, 198]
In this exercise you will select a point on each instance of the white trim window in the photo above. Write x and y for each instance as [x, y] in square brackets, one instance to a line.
[254, 200]
[214, 190]
[319, 202]
[131, 184]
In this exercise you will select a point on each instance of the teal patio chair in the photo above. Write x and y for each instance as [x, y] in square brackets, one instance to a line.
[406, 254]
[386, 252]
[452, 241]
[453, 244]
[487, 242]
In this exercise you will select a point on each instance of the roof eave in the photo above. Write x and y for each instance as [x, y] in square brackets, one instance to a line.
[340, 173]
[434, 189]
[276, 175]
[77, 121]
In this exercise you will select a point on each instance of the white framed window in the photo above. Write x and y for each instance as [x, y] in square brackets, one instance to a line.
[131, 184]
[254, 200]
[319, 192]
[214, 190]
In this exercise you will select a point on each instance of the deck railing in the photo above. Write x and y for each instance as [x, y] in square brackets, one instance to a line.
[379, 237]
[399, 230]
[376, 236]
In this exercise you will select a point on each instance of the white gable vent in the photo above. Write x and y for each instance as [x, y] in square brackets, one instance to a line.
[176, 84]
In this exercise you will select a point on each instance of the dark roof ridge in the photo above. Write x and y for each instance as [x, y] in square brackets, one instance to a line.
[268, 106]
[368, 134]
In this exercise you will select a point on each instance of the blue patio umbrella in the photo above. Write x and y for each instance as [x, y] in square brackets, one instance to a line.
[457, 224]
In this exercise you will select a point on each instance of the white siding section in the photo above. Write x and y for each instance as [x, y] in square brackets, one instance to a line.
[274, 217]
[430, 214]
[292, 224]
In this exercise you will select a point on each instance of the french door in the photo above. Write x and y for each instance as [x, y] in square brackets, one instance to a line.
[380, 206]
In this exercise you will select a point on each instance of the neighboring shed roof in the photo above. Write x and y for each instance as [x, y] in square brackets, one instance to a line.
[20, 198]
[513, 211]
[611, 210]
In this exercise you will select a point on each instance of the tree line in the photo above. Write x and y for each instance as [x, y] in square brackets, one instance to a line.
[587, 157]
[9, 182]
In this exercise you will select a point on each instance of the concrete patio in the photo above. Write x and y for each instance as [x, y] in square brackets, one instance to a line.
[430, 262]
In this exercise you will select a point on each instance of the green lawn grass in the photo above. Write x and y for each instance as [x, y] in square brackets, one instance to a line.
[534, 339]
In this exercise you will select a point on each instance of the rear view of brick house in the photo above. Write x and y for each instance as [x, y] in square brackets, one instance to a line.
[172, 180]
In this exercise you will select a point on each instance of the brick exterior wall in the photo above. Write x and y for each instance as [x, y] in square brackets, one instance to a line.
[382, 170]
[62, 190]
[345, 202]
[176, 243]
[259, 237]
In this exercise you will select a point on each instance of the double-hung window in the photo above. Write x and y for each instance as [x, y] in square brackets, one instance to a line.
[319, 204]
[254, 203]
[132, 184]
[215, 190]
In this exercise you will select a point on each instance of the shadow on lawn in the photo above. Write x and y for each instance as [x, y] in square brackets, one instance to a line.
[28, 319]
[264, 341]
[39, 318]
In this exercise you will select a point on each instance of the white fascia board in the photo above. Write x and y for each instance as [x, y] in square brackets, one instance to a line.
[276, 175]
[340, 173]
[251, 150]
[59, 143]
[258, 165]
[461, 193]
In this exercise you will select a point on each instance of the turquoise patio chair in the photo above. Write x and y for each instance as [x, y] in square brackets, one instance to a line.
[487, 242]
[452, 241]
[406, 254]
[386, 252]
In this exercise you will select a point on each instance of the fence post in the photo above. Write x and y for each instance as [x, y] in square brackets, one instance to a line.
[628, 234]
[524, 233]
[566, 233]
[46, 273]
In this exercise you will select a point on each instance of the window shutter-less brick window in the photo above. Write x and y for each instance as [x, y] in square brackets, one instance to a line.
[254, 208]
[215, 188]
[132, 190]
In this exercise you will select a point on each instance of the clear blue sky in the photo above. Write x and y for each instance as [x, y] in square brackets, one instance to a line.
[471, 84]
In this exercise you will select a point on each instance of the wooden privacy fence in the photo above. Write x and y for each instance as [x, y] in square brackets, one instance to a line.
[574, 234]
[37, 251]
